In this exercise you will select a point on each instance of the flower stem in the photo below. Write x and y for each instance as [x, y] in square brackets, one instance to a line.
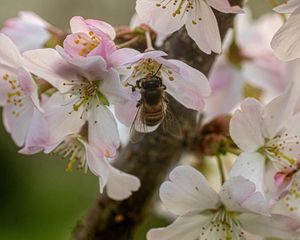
[128, 43]
[148, 41]
[221, 168]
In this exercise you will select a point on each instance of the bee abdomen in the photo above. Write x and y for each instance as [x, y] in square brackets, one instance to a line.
[153, 118]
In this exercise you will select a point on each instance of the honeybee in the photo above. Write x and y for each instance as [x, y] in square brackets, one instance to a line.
[152, 108]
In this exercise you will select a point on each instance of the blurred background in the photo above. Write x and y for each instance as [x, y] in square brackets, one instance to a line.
[38, 198]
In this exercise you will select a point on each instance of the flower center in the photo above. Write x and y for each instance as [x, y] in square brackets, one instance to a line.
[15, 95]
[182, 5]
[292, 199]
[84, 94]
[147, 68]
[86, 42]
[283, 151]
[72, 150]
[223, 224]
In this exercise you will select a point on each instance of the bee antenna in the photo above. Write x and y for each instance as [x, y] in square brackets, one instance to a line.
[157, 70]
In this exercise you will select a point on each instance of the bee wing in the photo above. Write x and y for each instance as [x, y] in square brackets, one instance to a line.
[170, 123]
[138, 129]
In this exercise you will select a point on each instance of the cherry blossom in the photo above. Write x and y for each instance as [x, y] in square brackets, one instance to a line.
[197, 16]
[247, 63]
[89, 38]
[76, 149]
[205, 214]
[22, 113]
[269, 132]
[28, 31]
[186, 84]
[286, 40]
[86, 88]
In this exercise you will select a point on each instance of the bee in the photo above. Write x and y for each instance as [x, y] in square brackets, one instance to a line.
[152, 108]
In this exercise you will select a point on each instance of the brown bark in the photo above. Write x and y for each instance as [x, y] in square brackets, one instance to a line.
[152, 158]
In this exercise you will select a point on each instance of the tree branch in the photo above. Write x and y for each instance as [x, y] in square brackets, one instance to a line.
[152, 158]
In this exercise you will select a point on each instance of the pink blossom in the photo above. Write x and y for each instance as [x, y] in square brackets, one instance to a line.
[186, 84]
[89, 38]
[28, 31]
[22, 112]
[86, 87]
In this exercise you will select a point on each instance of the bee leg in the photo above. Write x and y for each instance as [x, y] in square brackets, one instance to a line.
[138, 83]
[164, 86]
[139, 103]
[133, 88]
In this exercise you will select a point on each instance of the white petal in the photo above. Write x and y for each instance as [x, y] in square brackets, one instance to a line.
[61, 122]
[103, 131]
[188, 191]
[288, 6]
[239, 194]
[224, 6]
[122, 56]
[38, 134]
[252, 167]
[186, 227]
[126, 112]
[206, 31]
[246, 126]
[49, 65]
[189, 86]
[279, 110]
[286, 42]
[112, 88]
[9, 54]
[91, 67]
[275, 226]
[160, 19]
[120, 185]
[97, 164]
[19, 125]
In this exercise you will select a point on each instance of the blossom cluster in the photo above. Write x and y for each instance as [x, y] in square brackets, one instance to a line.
[64, 93]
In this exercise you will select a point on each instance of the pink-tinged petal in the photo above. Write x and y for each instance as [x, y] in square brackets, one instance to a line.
[9, 54]
[227, 89]
[280, 110]
[246, 126]
[103, 131]
[188, 191]
[189, 86]
[286, 42]
[26, 35]
[186, 227]
[120, 185]
[102, 26]
[159, 18]
[97, 164]
[49, 65]
[251, 166]
[38, 134]
[29, 87]
[277, 226]
[18, 120]
[111, 87]
[224, 6]
[204, 32]
[126, 112]
[78, 24]
[239, 195]
[288, 6]
[61, 118]
[122, 56]
[33, 18]
[91, 67]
